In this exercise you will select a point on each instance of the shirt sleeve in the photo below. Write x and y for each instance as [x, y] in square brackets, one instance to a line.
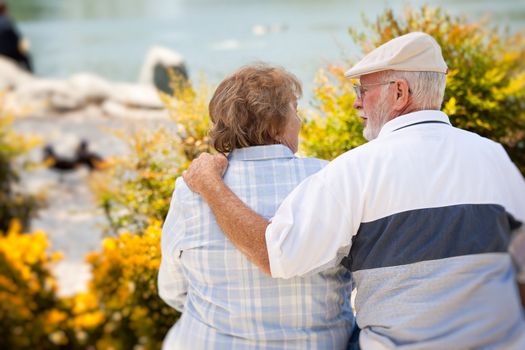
[313, 228]
[172, 284]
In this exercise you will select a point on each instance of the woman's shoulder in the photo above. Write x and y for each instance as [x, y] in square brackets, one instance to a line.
[182, 191]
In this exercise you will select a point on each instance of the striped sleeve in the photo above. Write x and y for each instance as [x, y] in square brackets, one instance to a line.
[305, 236]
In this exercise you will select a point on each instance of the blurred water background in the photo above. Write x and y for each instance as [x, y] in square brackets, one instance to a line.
[111, 37]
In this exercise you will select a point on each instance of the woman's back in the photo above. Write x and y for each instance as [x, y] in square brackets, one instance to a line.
[229, 302]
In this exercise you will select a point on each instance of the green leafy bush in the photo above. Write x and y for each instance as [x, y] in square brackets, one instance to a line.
[14, 204]
[333, 127]
[139, 186]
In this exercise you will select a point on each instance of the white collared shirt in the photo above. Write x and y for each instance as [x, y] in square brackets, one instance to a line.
[422, 217]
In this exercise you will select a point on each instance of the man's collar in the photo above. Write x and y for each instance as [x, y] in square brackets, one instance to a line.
[414, 118]
[261, 153]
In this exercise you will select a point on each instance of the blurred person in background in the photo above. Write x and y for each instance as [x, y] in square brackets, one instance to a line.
[225, 300]
[12, 45]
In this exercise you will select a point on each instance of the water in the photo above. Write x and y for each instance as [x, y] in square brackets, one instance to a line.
[111, 38]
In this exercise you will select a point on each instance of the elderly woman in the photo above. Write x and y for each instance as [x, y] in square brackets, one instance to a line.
[226, 302]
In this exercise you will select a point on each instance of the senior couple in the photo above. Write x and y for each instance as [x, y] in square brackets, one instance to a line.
[418, 220]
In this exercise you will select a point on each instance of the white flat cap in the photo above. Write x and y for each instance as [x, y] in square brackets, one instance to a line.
[413, 52]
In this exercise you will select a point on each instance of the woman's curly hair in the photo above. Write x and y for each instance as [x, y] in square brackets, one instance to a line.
[251, 107]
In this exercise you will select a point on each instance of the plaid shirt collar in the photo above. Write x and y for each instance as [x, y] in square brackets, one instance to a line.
[261, 153]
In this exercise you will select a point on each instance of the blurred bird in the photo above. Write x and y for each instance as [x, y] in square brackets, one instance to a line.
[58, 163]
[83, 157]
[61, 165]
[88, 158]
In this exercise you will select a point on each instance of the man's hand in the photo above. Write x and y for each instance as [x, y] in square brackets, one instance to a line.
[205, 172]
[244, 227]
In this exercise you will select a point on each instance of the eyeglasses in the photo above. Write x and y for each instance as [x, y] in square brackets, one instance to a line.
[361, 90]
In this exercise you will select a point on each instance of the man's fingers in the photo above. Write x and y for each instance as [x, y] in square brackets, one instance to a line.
[222, 163]
[204, 170]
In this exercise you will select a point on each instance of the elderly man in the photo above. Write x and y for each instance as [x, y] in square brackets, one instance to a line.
[422, 214]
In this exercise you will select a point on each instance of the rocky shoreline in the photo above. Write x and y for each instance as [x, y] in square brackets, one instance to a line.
[26, 94]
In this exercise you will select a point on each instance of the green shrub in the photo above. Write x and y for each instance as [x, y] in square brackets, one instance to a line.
[14, 204]
[333, 127]
[188, 108]
[139, 186]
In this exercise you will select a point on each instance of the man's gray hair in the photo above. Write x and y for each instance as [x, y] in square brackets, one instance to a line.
[427, 88]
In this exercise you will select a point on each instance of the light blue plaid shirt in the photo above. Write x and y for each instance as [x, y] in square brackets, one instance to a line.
[227, 302]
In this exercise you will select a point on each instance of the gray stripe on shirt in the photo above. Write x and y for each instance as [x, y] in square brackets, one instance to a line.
[429, 234]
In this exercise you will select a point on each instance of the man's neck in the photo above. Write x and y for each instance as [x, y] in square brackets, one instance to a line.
[409, 109]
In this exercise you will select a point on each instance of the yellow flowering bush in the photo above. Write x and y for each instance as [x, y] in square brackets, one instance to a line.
[139, 186]
[333, 127]
[485, 84]
[31, 314]
[125, 286]
[188, 108]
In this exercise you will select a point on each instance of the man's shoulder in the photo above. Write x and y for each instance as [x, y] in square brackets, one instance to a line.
[359, 154]
[477, 142]
[311, 162]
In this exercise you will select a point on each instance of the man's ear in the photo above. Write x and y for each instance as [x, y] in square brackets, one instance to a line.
[402, 95]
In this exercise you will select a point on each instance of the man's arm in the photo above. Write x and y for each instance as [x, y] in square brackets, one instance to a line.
[244, 227]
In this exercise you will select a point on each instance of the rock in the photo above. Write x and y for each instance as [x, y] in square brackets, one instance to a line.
[64, 102]
[85, 89]
[59, 94]
[92, 88]
[136, 95]
[117, 110]
[164, 69]
[11, 75]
